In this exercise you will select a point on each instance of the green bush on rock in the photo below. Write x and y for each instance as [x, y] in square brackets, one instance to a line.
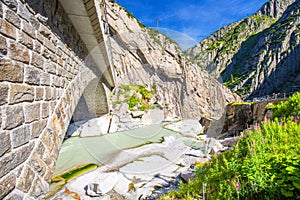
[287, 109]
[140, 98]
[264, 164]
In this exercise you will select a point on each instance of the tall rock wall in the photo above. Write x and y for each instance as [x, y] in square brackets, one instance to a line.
[145, 57]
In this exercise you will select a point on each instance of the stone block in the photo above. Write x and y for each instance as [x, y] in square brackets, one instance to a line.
[32, 75]
[8, 29]
[32, 112]
[5, 143]
[3, 93]
[45, 52]
[1, 11]
[21, 93]
[35, 23]
[52, 106]
[7, 184]
[14, 195]
[13, 18]
[12, 4]
[45, 110]
[50, 68]
[13, 160]
[40, 38]
[53, 57]
[37, 128]
[39, 93]
[44, 31]
[28, 29]
[12, 72]
[25, 181]
[23, 11]
[37, 164]
[50, 45]
[37, 60]
[40, 150]
[14, 117]
[45, 79]
[37, 46]
[20, 136]
[40, 188]
[25, 40]
[3, 46]
[47, 93]
[47, 139]
[19, 53]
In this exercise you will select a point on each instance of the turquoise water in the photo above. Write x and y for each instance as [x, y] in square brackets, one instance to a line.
[102, 149]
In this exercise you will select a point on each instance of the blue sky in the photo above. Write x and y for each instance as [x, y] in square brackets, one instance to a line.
[195, 19]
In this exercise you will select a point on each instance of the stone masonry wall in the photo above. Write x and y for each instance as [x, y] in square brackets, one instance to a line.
[42, 77]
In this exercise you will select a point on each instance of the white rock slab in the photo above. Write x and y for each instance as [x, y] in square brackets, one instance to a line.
[98, 126]
[187, 128]
[106, 181]
[122, 185]
[147, 167]
[214, 146]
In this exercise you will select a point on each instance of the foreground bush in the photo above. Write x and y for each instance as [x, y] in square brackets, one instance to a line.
[264, 164]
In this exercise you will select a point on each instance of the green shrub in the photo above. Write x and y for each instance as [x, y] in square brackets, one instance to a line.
[144, 105]
[265, 164]
[287, 109]
[133, 101]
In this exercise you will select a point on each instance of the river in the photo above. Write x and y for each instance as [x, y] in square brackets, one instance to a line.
[138, 154]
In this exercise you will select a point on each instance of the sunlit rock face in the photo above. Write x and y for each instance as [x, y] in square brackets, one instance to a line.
[258, 55]
[145, 57]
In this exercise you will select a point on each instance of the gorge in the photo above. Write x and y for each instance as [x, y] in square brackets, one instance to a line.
[83, 61]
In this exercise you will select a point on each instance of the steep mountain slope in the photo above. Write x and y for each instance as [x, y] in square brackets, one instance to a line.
[224, 53]
[145, 57]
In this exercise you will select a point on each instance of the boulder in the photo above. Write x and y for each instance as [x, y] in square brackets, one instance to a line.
[157, 116]
[93, 190]
[187, 177]
[195, 153]
[229, 142]
[103, 184]
[187, 128]
[214, 146]
[137, 114]
[98, 126]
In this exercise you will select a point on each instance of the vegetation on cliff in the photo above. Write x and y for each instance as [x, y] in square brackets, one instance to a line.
[136, 96]
[264, 164]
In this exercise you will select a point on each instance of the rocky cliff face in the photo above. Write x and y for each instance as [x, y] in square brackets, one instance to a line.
[142, 56]
[257, 55]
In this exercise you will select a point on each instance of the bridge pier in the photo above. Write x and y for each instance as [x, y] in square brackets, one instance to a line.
[47, 60]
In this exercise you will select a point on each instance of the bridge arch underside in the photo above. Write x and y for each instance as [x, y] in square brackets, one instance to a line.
[93, 102]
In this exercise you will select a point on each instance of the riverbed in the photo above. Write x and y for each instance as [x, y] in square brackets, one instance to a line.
[143, 159]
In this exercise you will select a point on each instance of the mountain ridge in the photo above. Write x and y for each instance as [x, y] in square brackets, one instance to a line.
[221, 53]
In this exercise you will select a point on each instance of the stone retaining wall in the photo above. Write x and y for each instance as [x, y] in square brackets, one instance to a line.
[42, 77]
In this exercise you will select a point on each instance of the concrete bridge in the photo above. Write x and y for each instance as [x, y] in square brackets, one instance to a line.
[55, 59]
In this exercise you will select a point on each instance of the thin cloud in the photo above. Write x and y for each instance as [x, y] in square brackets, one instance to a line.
[196, 18]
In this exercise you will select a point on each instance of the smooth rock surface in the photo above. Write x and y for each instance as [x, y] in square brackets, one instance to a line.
[187, 127]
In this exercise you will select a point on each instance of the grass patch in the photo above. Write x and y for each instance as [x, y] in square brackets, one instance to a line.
[61, 180]
[240, 103]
